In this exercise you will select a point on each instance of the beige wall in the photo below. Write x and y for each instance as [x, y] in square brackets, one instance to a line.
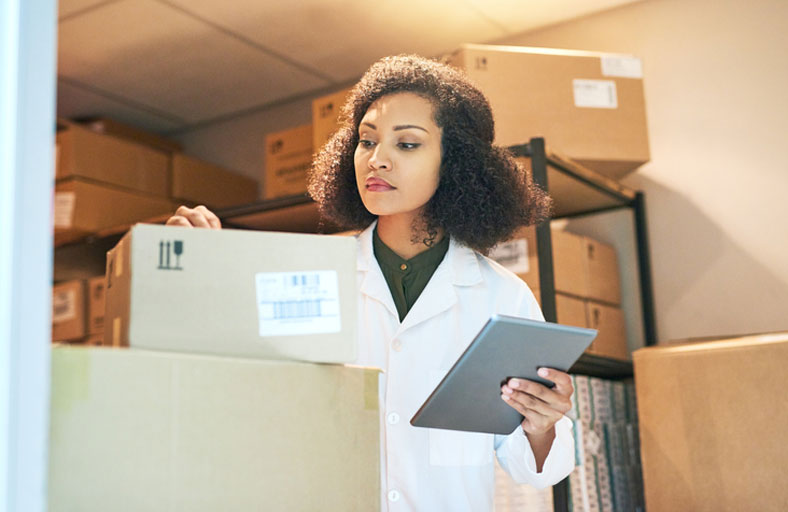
[716, 82]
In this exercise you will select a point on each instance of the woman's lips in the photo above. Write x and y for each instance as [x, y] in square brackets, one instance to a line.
[377, 185]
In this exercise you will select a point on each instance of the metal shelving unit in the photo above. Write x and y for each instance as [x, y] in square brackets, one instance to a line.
[579, 191]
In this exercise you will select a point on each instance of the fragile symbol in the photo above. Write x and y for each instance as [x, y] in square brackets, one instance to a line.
[164, 254]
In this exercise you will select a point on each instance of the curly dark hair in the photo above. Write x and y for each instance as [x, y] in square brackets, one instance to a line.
[483, 194]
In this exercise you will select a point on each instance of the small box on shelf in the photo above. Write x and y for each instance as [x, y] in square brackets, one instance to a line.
[69, 311]
[196, 182]
[288, 156]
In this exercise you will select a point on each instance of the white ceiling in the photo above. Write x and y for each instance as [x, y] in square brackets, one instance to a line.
[166, 65]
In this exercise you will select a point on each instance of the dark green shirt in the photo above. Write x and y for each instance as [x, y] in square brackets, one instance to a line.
[407, 278]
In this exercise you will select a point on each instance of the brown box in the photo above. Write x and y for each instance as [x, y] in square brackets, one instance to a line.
[83, 207]
[120, 162]
[154, 431]
[288, 157]
[570, 269]
[603, 280]
[587, 105]
[325, 117]
[68, 311]
[198, 182]
[612, 338]
[713, 419]
[124, 131]
[96, 305]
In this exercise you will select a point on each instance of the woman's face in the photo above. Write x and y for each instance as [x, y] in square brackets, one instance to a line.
[398, 156]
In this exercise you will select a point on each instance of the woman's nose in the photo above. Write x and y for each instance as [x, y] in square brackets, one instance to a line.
[379, 158]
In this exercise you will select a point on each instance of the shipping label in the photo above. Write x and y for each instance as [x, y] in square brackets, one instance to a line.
[64, 209]
[513, 255]
[595, 93]
[297, 303]
[64, 306]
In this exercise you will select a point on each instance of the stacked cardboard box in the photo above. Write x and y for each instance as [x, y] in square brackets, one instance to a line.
[213, 406]
[78, 311]
[586, 280]
[713, 418]
[288, 157]
[588, 106]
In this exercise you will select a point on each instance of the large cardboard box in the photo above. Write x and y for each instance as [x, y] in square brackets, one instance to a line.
[136, 430]
[713, 419]
[587, 105]
[96, 305]
[83, 207]
[197, 182]
[288, 157]
[86, 154]
[115, 128]
[602, 271]
[325, 117]
[233, 292]
[68, 311]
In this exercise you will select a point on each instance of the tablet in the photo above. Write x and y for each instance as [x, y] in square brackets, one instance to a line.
[469, 396]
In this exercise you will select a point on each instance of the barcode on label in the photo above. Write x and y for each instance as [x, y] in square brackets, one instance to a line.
[294, 303]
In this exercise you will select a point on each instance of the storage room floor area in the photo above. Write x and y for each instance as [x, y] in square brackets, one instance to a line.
[317, 256]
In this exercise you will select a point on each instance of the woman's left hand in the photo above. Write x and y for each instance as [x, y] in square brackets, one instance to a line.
[541, 406]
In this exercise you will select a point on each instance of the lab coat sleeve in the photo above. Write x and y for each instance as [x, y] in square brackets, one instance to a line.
[516, 457]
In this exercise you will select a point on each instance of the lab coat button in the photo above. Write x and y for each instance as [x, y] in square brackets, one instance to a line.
[393, 495]
[396, 345]
[392, 418]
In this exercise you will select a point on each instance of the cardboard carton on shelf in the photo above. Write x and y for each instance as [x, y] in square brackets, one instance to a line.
[96, 305]
[233, 292]
[325, 117]
[68, 311]
[146, 430]
[86, 154]
[288, 157]
[198, 182]
[121, 130]
[582, 267]
[589, 106]
[712, 423]
[83, 207]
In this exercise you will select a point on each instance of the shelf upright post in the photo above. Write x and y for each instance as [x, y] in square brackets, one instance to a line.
[544, 249]
[644, 267]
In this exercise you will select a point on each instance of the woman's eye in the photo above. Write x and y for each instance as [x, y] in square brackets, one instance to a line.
[366, 143]
[409, 145]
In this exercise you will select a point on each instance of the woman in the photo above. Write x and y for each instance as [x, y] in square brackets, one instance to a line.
[413, 165]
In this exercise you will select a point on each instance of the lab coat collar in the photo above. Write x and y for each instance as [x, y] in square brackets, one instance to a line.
[460, 267]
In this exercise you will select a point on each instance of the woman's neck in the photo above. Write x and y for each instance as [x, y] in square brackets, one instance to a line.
[396, 231]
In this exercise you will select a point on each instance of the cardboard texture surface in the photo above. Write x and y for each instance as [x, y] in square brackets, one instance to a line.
[135, 430]
[83, 207]
[288, 156]
[96, 304]
[117, 129]
[612, 338]
[197, 182]
[538, 92]
[233, 292]
[713, 419]
[120, 162]
[68, 311]
[325, 117]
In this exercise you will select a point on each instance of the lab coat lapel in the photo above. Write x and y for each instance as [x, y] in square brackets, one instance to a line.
[373, 284]
[458, 268]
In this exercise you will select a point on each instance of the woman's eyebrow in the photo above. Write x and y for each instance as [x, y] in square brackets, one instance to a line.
[406, 126]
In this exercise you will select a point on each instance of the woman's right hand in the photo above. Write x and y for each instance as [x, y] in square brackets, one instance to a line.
[197, 217]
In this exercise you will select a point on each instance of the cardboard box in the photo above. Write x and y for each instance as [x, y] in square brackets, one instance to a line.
[603, 280]
[233, 292]
[612, 338]
[325, 117]
[83, 207]
[111, 160]
[587, 105]
[125, 131]
[570, 268]
[136, 430]
[713, 419]
[519, 256]
[197, 182]
[288, 157]
[96, 305]
[68, 311]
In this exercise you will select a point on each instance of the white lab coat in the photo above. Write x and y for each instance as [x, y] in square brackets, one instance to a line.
[430, 469]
